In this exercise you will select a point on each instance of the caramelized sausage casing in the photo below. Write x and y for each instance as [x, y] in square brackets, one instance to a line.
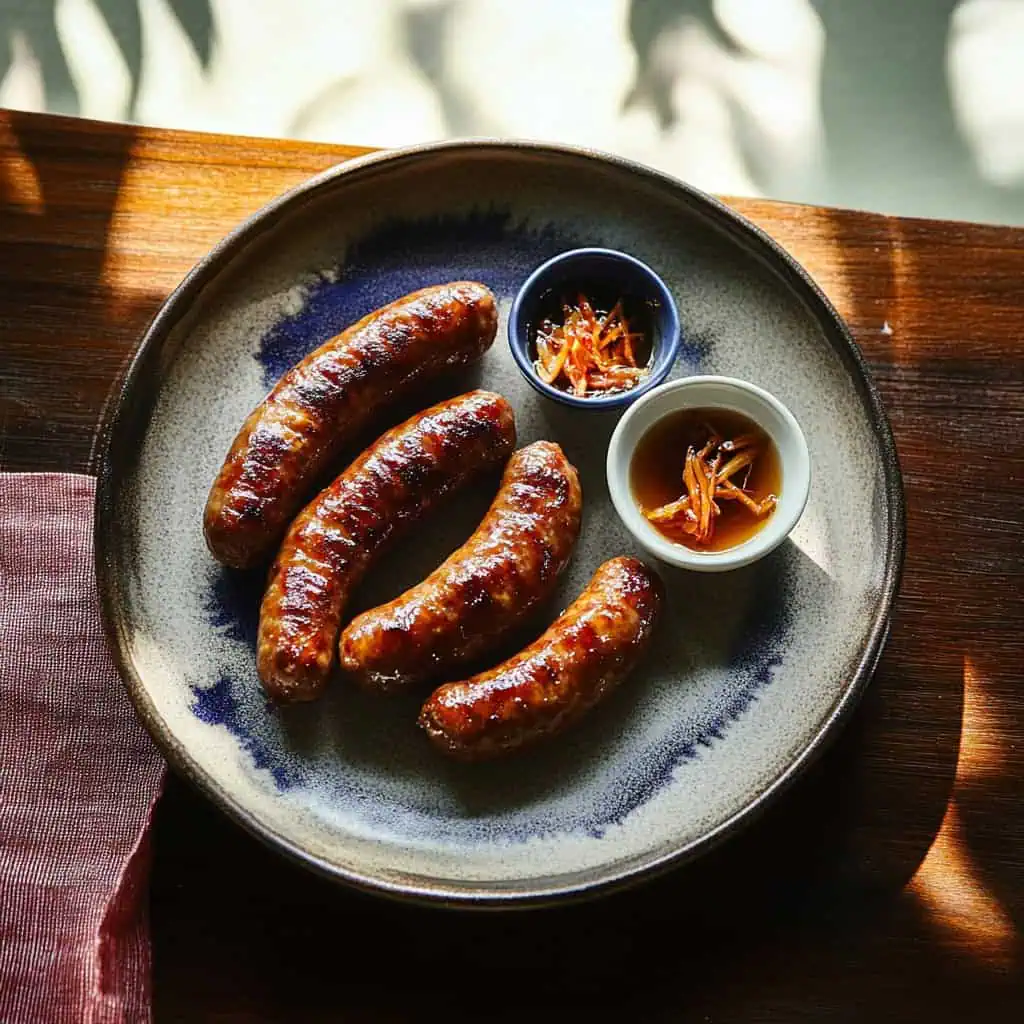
[333, 540]
[587, 651]
[489, 585]
[316, 408]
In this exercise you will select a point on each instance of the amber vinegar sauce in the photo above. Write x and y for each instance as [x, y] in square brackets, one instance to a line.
[656, 472]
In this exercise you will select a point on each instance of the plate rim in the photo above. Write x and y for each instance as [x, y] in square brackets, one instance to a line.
[131, 403]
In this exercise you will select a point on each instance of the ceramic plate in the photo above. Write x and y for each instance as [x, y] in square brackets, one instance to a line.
[751, 670]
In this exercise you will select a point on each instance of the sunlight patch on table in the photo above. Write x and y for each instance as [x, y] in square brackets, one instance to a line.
[948, 882]
[19, 183]
[962, 908]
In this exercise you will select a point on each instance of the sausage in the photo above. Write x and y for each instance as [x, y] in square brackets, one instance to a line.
[291, 438]
[334, 539]
[586, 652]
[489, 585]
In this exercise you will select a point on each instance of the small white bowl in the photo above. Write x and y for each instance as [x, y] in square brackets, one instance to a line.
[712, 393]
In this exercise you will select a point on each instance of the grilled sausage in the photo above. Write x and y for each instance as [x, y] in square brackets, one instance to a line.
[291, 438]
[587, 651]
[509, 565]
[334, 539]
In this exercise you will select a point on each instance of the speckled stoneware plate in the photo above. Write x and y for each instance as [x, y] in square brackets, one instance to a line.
[751, 670]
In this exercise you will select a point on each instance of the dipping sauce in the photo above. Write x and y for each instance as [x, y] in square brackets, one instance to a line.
[589, 343]
[706, 478]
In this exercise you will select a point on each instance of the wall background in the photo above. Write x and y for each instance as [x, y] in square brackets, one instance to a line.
[901, 106]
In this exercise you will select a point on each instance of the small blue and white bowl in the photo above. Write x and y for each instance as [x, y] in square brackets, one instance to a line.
[595, 271]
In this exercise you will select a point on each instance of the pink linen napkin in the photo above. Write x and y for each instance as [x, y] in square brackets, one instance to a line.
[79, 776]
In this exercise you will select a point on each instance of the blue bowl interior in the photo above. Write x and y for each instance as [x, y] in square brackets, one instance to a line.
[604, 276]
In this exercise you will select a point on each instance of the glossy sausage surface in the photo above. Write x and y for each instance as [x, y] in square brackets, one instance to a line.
[587, 651]
[332, 542]
[485, 588]
[315, 409]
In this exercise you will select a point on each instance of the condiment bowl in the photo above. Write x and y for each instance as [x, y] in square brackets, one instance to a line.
[725, 393]
[587, 271]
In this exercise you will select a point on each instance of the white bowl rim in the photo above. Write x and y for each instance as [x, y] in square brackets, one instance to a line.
[796, 469]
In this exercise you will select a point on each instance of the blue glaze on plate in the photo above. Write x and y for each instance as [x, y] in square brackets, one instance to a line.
[217, 705]
[403, 256]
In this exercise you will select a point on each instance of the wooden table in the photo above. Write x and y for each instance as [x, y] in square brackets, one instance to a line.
[887, 885]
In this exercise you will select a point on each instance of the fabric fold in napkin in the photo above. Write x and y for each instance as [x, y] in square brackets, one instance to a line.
[79, 776]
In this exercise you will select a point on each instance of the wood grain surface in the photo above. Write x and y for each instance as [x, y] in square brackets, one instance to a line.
[887, 885]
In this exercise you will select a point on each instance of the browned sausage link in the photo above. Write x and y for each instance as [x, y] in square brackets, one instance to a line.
[588, 651]
[290, 439]
[490, 584]
[333, 540]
